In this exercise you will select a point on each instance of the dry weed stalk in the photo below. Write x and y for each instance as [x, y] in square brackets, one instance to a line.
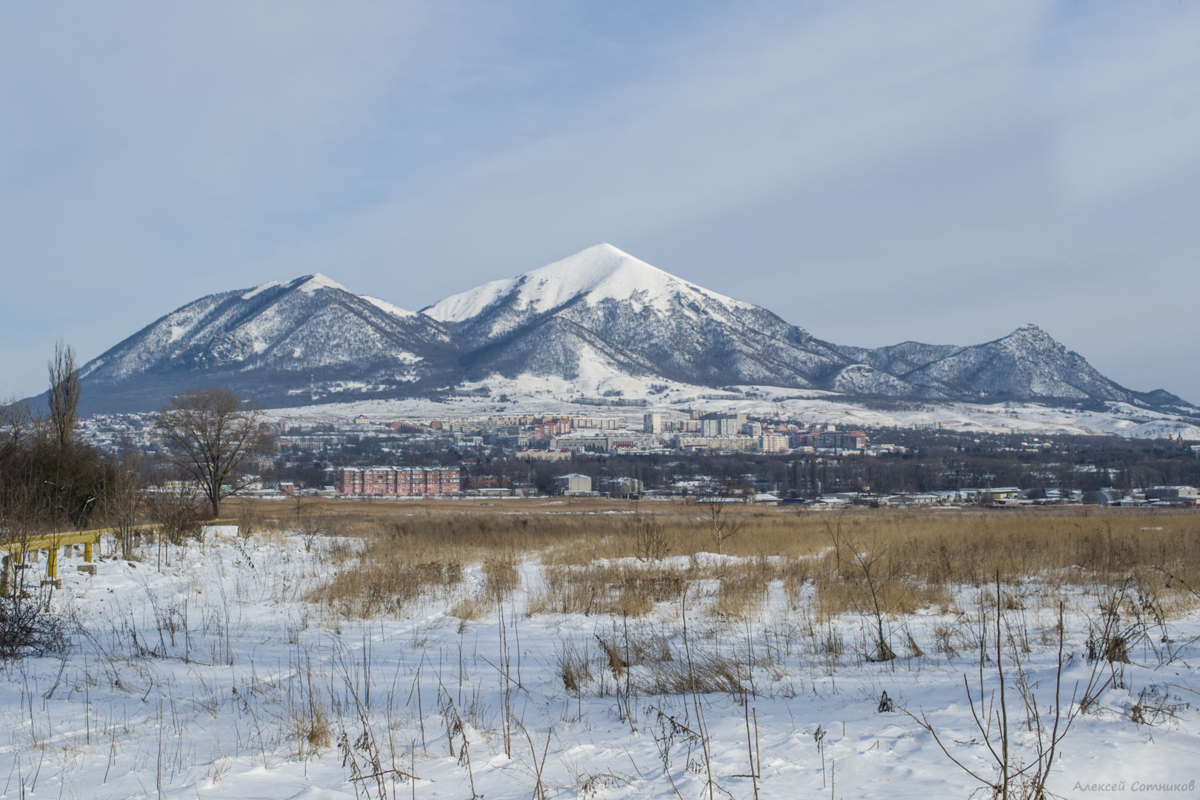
[1013, 779]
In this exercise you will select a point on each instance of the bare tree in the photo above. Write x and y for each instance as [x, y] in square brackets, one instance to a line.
[64, 393]
[121, 498]
[209, 434]
[16, 421]
[308, 525]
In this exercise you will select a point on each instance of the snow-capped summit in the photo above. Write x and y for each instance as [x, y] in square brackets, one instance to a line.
[601, 272]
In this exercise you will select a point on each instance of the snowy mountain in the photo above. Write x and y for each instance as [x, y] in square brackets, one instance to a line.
[640, 319]
[273, 342]
[1028, 364]
[645, 322]
[596, 316]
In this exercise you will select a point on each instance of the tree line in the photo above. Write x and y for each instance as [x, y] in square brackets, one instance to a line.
[51, 481]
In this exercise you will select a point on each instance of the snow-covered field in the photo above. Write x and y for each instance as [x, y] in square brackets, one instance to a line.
[203, 672]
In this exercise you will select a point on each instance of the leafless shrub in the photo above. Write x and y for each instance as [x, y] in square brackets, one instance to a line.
[1110, 639]
[877, 577]
[28, 625]
[310, 526]
[651, 541]
[1155, 705]
[947, 640]
[121, 500]
[177, 511]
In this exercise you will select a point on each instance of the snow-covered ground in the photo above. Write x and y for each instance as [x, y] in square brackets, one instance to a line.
[537, 394]
[203, 672]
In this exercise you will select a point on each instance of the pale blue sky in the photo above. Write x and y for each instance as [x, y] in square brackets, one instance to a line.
[873, 172]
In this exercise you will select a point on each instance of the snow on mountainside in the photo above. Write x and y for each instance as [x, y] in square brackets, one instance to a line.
[598, 312]
[388, 307]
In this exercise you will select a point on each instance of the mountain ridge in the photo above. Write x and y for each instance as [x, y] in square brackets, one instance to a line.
[601, 311]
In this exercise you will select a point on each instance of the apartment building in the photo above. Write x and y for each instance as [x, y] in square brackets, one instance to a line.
[399, 481]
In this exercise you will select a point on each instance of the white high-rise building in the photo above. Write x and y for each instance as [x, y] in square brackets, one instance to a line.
[722, 424]
[652, 422]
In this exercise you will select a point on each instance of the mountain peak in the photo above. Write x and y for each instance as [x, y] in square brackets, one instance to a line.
[311, 283]
[601, 272]
[1032, 334]
[601, 268]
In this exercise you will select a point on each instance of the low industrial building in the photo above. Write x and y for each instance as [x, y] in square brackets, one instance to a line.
[573, 484]
[624, 487]
[1172, 492]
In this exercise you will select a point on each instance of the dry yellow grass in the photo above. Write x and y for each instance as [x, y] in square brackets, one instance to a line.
[918, 556]
[469, 608]
[606, 588]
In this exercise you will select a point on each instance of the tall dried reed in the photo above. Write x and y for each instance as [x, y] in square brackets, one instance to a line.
[920, 556]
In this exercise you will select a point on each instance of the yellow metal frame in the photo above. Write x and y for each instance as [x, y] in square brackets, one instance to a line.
[50, 542]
